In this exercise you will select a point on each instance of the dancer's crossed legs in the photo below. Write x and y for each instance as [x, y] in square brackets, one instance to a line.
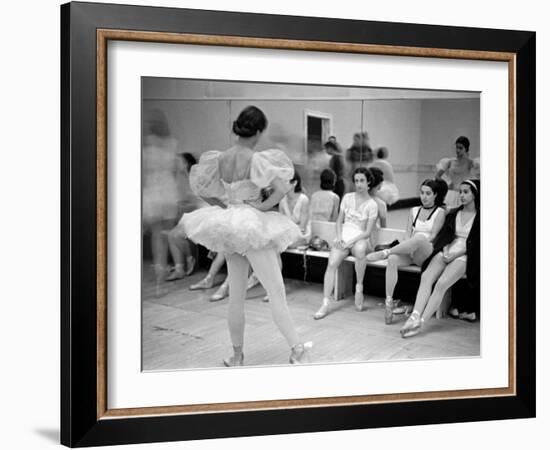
[453, 272]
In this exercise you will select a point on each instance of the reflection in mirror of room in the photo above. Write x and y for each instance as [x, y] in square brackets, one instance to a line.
[417, 127]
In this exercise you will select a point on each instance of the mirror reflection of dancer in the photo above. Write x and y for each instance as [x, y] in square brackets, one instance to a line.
[456, 170]
[358, 214]
[247, 232]
[423, 225]
[325, 203]
[388, 191]
[456, 253]
[295, 205]
[183, 251]
[160, 187]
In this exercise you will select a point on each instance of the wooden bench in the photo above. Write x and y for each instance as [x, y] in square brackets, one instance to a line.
[344, 278]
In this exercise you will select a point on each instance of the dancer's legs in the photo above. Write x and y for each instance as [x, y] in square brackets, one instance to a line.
[208, 281]
[177, 242]
[183, 253]
[237, 268]
[394, 262]
[335, 258]
[410, 245]
[428, 278]
[216, 265]
[264, 263]
[159, 245]
[360, 250]
[452, 273]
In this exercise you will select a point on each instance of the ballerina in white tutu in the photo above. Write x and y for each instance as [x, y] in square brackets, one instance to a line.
[242, 225]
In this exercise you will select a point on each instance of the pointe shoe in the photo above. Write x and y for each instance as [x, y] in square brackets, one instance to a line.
[401, 310]
[412, 326]
[377, 256]
[265, 299]
[470, 317]
[175, 275]
[398, 308]
[388, 311]
[323, 310]
[359, 299]
[206, 283]
[299, 353]
[221, 293]
[234, 361]
[454, 313]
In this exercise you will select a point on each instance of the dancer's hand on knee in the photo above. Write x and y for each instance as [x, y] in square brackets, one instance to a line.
[339, 244]
[449, 257]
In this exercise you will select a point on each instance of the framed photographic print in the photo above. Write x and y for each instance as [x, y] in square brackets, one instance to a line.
[273, 224]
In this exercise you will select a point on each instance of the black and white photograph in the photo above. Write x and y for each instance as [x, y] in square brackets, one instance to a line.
[289, 224]
[247, 225]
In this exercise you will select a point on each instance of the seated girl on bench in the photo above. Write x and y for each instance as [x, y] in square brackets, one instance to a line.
[358, 214]
[456, 253]
[423, 224]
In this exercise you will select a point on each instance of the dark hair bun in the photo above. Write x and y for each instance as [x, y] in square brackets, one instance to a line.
[242, 130]
[251, 120]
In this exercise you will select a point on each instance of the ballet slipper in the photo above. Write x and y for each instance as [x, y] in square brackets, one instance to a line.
[234, 360]
[177, 274]
[206, 283]
[221, 293]
[377, 256]
[323, 310]
[398, 310]
[299, 354]
[412, 326]
[470, 317]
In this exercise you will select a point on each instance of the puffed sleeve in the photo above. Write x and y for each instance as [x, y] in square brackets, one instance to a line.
[268, 165]
[372, 209]
[444, 164]
[344, 204]
[204, 177]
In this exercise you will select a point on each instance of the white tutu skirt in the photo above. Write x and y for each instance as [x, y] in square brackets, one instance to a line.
[388, 192]
[240, 228]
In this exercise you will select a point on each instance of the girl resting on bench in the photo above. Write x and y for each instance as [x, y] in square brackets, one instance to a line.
[424, 223]
[456, 252]
[358, 213]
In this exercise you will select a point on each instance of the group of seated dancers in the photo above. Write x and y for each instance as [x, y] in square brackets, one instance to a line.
[257, 209]
[436, 239]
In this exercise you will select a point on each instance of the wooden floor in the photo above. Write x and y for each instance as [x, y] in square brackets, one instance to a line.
[182, 329]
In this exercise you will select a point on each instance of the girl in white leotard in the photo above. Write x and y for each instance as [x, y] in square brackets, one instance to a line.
[358, 213]
[424, 223]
